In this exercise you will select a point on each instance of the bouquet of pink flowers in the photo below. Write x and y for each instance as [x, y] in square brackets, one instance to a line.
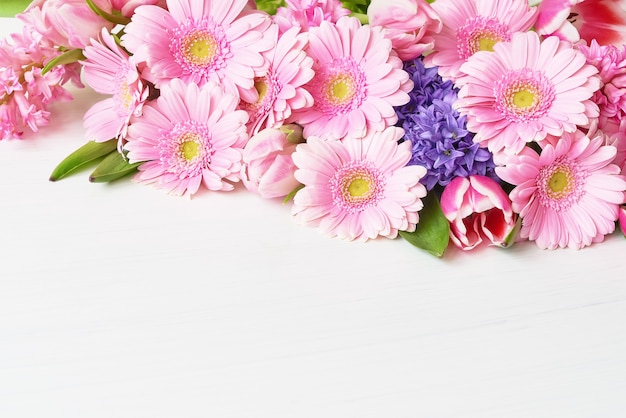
[471, 122]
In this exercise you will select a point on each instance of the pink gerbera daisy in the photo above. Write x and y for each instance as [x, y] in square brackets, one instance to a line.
[189, 136]
[358, 189]
[569, 195]
[474, 25]
[108, 69]
[358, 80]
[200, 40]
[280, 90]
[526, 89]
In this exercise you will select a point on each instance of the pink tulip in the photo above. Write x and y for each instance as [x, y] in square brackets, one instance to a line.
[126, 7]
[406, 24]
[573, 20]
[478, 210]
[68, 23]
[268, 168]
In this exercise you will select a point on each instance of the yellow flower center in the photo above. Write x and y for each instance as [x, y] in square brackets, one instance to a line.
[523, 98]
[189, 147]
[358, 187]
[487, 43]
[560, 183]
[261, 87]
[125, 99]
[199, 48]
[340, 88]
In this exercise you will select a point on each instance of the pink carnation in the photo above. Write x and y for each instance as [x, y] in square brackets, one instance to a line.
[611, 64]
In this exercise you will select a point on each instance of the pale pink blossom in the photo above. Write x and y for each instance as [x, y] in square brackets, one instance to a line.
[268, 168]
[201, 40]
[569, 195]
[190, 136]
[526, 89]
[470, 26]
[281, 90]
[358, 188]
[612, 134]
[478, 210]
[358, 80]
[409, 24]
[109, 70]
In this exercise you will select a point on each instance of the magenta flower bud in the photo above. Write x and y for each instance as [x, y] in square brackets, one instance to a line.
[478, 210]
[268, 168]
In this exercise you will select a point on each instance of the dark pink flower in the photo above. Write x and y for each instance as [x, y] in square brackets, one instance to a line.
[479, 210]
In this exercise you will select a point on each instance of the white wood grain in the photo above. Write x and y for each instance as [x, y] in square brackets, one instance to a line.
[119, 301]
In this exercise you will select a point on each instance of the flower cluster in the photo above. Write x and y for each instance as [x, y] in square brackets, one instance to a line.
[470, 122]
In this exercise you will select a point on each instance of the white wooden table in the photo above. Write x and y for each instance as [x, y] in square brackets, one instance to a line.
[118, 301]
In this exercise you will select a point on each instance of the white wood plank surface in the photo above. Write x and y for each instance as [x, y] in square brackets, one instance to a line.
[118, 301]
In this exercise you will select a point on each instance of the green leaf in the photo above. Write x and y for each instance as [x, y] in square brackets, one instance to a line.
[510, 239]
[292, 193]
[69, 57]
[86, 154]
[433, 230]
[112, 167]
[356, 6]
[270, 6]
[116, 18]
[10, 8]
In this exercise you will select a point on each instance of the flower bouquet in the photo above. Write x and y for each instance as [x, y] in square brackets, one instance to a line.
[447, 122]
